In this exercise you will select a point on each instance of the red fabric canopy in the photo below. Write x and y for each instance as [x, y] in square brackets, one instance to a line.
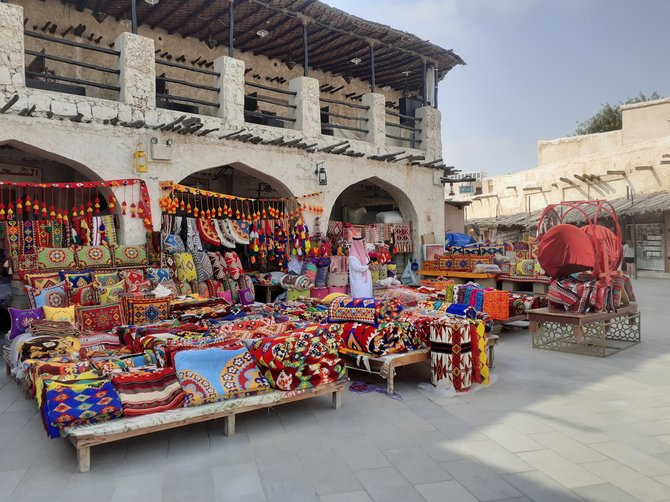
[608, 246]
[566, 249]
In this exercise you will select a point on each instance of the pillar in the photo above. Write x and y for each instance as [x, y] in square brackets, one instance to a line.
[138, 70]
[12, 66]
[376, 115]
[307, 113]
[431, 131]
[231, 90]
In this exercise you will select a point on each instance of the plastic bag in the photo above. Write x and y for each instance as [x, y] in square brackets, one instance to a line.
[409, 277]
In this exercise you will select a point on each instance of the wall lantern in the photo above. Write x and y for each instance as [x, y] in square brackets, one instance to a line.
[320, 171]
[152, 2]
[140, 161]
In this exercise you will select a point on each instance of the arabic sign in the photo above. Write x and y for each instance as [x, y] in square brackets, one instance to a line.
[13, 173]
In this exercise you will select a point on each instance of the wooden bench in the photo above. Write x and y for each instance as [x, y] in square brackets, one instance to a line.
[83, 437]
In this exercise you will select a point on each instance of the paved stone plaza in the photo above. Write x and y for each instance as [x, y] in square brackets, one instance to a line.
[552, 427]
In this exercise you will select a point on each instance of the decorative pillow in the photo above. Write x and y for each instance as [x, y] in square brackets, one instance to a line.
[86, 295]
[219, 266]
[186, 271]
[331, 297]
[55, 296]
[144, 392]
[461, 263]
[125, 256]
[245, 282]
[147, 311]
[231, 285]
[492, 250]
[132, 276]
[55, 259]
[106, 279]
[227, 296]
[215, 374]
[59, 314]
[213, 288]
[120, 364]
[138, 287]
[525, 267]
[94, 256]
[471, 249]
[172, 286]
[99, 317]
[353, 310]
[203, 290]
[21, 320]
[538, 269]
[486, 259]
[173, 244]
[112, 293]
[203, 267]
[158, 275]
[28, 262]
[235, 269]
[41, 281]
[77, 279]
[168, 261]
[184, 288]
[246, 296]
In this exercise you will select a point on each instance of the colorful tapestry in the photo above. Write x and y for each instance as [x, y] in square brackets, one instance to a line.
[386, 338]
[83, 402]
[77, 279]
[158, 275]
[54, 296]
[143, 392]
[42, 230]
[59, 238]
[240, 230]
[27, 237]
[99, 317]
[193, 242]
[12, 239]
[186, 271]
[402, 237]
[21, 320]
[116, 364]
[208, 232]
[334, 229]
[140, 311]
[234, 265]
[112, 293]
[110, 228]
[49, 346]
[212, 375]
[41, 281]
[353, 309]
[132, 276]
[138, 287]
[203, 267]
[85, 295]
[213, 287]
[106, 279]
[27, 262]
[172, 286]
[525, 267]
[56, 259]
[198, 342]
[126, 256]
[94, 256]
[219, 266]
[173, 244]
[184, 288]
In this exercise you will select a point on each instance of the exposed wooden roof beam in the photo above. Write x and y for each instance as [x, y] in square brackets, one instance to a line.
[168, 12]
[195, 13]
[153, 10]
[250, 35]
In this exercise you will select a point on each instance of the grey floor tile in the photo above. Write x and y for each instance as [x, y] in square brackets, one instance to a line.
[9, 480]
[238, 482]
[492, 454]
[329, 473]
[139, 487]
[359, 496]
[386, 484]
[644, 464]
[451, 490]
[363, 455]
[539, 486]
[629, 480]
[416, 465]
[604, 493]
[481, 481]
[567, 447]
[560, 469]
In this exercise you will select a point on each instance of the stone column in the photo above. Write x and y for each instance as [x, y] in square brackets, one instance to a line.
[138, 70]
[376, 115]
[12, 67]
[431, 131]
[308, 109]
[231, 90]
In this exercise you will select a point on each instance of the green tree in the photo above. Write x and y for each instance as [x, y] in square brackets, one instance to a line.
[608, 118]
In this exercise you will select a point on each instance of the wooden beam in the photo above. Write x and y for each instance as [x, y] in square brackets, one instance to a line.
[196, 12]
[168, 12]
[193, 32]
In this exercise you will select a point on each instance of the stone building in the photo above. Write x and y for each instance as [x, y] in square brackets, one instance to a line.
[628, 167]
[251, 98]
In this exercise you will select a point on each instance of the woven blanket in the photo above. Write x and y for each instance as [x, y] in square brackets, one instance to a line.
[402, 237]
[386, 338]
[146, 392]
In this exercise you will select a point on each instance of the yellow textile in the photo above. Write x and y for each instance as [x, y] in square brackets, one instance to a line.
[59, 314]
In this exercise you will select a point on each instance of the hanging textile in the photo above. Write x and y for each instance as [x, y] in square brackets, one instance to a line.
[193, 242]
[402, 237]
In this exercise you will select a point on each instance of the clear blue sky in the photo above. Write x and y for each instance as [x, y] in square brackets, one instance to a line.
[534, 67]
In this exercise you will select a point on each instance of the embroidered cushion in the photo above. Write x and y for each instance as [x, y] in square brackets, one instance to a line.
[142, 392]
[41, 281]
[173, 244]
[231, 285]
[158, 275]
[492, 250]
[245, 282]
[147, 311]
[168, 261]
[184, 288]
[215, 374]
[235, 269]
[55, 296]
[172, 286]
[219, 266]
[94, 256]
[119, 364]
[246, 296]
[77, 279]
[112, 293]
[107, 278]
[227, 296]
[133, 276]
[86, 295]
[203, 290]
[138, 287]
[28, 262]
[213, 288]
[525, 267]
[353, 309]
[99, 317]
[55, 258]
[203, 267]
[125, 256]
[21, 320]
[59, 314]
[186, 271]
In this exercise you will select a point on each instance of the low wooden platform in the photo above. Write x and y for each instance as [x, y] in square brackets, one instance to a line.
[85, 436]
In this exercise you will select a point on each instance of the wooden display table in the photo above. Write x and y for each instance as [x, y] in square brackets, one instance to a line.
[600, 334]
[540, 284]
[485, 280]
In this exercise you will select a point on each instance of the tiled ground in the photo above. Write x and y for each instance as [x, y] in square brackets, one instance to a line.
[553, 427]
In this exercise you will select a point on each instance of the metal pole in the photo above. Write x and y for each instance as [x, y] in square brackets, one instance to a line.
[373, 83]
[425, 83]
[231, 29]
[305, 49]
[436, 83]
[133, 15]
